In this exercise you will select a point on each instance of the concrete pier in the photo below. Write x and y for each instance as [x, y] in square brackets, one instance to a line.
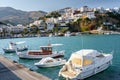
[10, 70]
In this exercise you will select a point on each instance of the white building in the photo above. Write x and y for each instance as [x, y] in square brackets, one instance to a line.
[100, 9]
[85, 8]
[77, 14]
[4, 30]
[50, 26]
[68, 13]
[89, 14]
[62, 11]
[52, 20]
[1, 27]
[37, 22]
[117, 9]
[109, 10]
[4, 27]
[17, 29]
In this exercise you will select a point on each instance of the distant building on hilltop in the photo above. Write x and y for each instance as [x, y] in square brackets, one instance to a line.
[85, 8]
[99, 9]
[117, 9]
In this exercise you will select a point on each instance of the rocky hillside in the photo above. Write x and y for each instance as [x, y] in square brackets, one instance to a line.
[11, 15]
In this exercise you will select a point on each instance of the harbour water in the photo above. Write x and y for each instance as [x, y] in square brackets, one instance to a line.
[105, 43]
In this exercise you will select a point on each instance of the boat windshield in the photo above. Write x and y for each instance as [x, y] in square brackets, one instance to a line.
[46, 48]
[49, 61]
[78, 61]
[12, 45]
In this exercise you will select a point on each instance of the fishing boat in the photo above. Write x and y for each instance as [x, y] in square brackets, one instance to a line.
[13, 46]
[85, 63]
[45, 51]
[50, 62]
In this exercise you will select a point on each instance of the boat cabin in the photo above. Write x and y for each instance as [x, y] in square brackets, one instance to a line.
[12, 45]
[44, 50]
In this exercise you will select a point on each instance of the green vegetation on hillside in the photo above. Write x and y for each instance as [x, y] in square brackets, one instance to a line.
[54, 14]
[86, 24]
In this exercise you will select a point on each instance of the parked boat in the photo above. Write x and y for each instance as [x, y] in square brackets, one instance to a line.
[50, 35]
[46, 51]
[50, 62]
[13, 46]
[85, 63]
[67, 34]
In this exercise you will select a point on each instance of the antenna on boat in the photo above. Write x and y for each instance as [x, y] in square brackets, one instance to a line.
[112, 52]
[82, 51]
[112, 55]
[101, 51]
[49, 43]
[82, 41]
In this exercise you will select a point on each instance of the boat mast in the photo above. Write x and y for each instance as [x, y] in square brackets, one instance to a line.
[82, 41]
[82, 60]
[49, 43]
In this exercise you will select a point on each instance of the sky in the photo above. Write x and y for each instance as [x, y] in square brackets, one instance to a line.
[51, 5]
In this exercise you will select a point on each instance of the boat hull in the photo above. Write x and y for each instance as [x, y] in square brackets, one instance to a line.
[51, 64]
[91, 72]
[25, 56]
[91, 63]
[13, 50]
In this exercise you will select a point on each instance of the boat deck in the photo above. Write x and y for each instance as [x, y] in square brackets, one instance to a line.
[10, 70]
[68, 74]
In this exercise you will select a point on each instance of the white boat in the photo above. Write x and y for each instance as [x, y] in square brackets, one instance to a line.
[13, 46]
[107, 33]
[50, 35]
[50, 62]
[67, 34]
[85, 63]
[46, 51]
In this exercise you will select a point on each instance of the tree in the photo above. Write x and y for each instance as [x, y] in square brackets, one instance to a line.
[55, 29]
[25, 31]
[34, 29]
[54, 14]
[38, 32]
[45, 25]
[78, 24]
[12, 33]
[63, 30]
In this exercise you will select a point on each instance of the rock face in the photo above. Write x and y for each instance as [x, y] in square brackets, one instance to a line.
[11, 15]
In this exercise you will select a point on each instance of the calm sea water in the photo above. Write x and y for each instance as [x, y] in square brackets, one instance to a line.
[105, 43]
